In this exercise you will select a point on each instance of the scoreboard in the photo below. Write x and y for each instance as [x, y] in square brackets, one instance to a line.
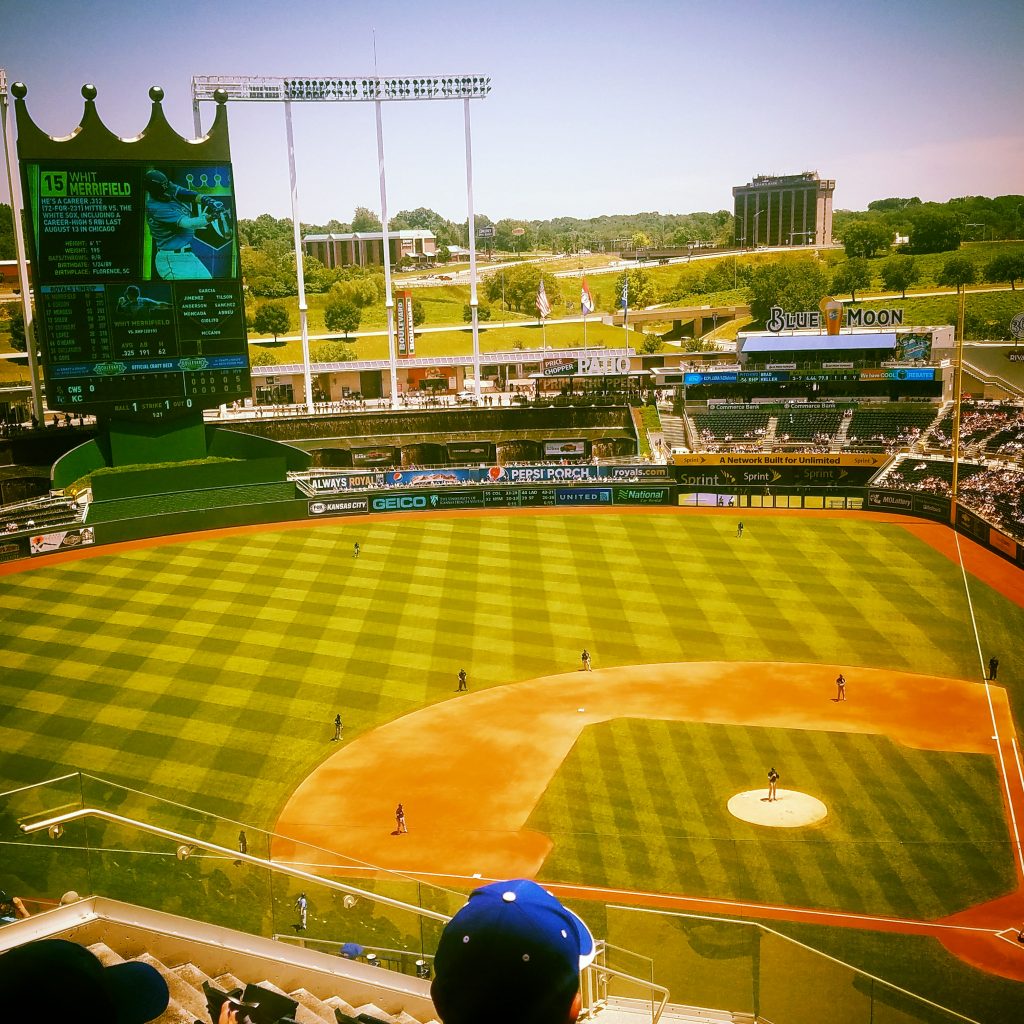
[138, 290]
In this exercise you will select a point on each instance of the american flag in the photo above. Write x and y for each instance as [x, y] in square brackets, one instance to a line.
[624, 301]
[586, 300]
[543, 306]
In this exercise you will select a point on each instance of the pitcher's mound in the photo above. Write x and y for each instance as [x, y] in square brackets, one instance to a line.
[789, 810]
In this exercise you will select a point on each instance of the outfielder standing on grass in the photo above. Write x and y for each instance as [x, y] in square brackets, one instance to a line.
[585, 658]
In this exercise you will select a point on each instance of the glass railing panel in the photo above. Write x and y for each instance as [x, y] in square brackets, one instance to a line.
[796, 983]
[702, 961]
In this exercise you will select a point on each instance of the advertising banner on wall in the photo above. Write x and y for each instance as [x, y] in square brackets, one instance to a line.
[518, 497]
[642, 495]
[468, 451]
[406, 337]
[12, 548]
[446, 477]
[782, 469]
[565, 449]
[583, 496]
[928, 506]
[61, 540]
[338, 507]
[384, 456]
[334, 482]
[544, 474]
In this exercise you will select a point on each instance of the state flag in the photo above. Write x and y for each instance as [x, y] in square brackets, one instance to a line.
[586, 299]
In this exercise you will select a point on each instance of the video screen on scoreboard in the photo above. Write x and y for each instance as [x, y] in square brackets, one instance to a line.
[138, 286]
[911, 345]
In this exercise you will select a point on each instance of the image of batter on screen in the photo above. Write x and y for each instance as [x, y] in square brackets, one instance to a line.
[190, 223]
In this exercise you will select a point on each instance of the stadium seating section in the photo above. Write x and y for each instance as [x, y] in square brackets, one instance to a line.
[994, 491]
[878, 429]
[41, 515]
[814, 426]
[996, 428]
[727, 427]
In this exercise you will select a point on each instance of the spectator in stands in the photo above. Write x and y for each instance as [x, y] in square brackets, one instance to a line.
[513, 953]
[60, 981]
[12, 909]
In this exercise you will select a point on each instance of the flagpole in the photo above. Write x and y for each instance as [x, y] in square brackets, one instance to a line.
[625, 312]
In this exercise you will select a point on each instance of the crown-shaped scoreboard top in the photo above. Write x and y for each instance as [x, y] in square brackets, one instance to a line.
[93, 140]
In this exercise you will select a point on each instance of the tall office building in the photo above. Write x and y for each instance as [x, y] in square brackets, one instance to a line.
[789, 209]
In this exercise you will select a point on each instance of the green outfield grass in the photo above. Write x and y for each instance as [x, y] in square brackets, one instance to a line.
[209, 672]
[910, 833]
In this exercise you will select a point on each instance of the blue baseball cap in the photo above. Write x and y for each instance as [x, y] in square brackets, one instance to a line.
[512, 953]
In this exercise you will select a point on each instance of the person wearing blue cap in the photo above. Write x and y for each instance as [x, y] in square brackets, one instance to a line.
[513, 953]
[56, 980]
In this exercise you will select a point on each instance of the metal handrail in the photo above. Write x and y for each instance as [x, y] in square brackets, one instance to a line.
[656, 990]
[58, 821]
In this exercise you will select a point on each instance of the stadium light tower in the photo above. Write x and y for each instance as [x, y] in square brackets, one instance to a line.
[368, 89]
[14, 188]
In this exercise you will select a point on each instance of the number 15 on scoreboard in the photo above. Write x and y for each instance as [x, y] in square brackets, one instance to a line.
[55, 183]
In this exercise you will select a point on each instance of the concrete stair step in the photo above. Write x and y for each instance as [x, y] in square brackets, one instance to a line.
[302, 1014]
[370, 1012]
[105, 954]
[187, 997]
[191, 975]
[405, 1018]
[337, 1003]
[227, 982]
[312, 1004]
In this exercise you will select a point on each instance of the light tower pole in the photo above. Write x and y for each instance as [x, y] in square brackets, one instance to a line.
[14, 187]
[367, 89]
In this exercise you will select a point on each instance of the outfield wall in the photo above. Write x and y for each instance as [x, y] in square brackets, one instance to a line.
[477, 489]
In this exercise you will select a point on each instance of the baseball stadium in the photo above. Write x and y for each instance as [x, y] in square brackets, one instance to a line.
[236, 744]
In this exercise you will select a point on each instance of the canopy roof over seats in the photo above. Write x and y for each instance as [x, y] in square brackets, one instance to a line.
[818, 342]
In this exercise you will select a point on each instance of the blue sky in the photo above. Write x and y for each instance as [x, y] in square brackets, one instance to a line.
[595, 107]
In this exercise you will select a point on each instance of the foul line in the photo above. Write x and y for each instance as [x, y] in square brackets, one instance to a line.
[991, 709]
[723, 905]
[775, 909]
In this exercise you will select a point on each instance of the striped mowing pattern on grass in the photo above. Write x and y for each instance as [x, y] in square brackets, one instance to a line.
[642, 805]
[210, 671]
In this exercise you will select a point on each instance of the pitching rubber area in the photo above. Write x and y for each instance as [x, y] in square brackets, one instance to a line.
[789, 809]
